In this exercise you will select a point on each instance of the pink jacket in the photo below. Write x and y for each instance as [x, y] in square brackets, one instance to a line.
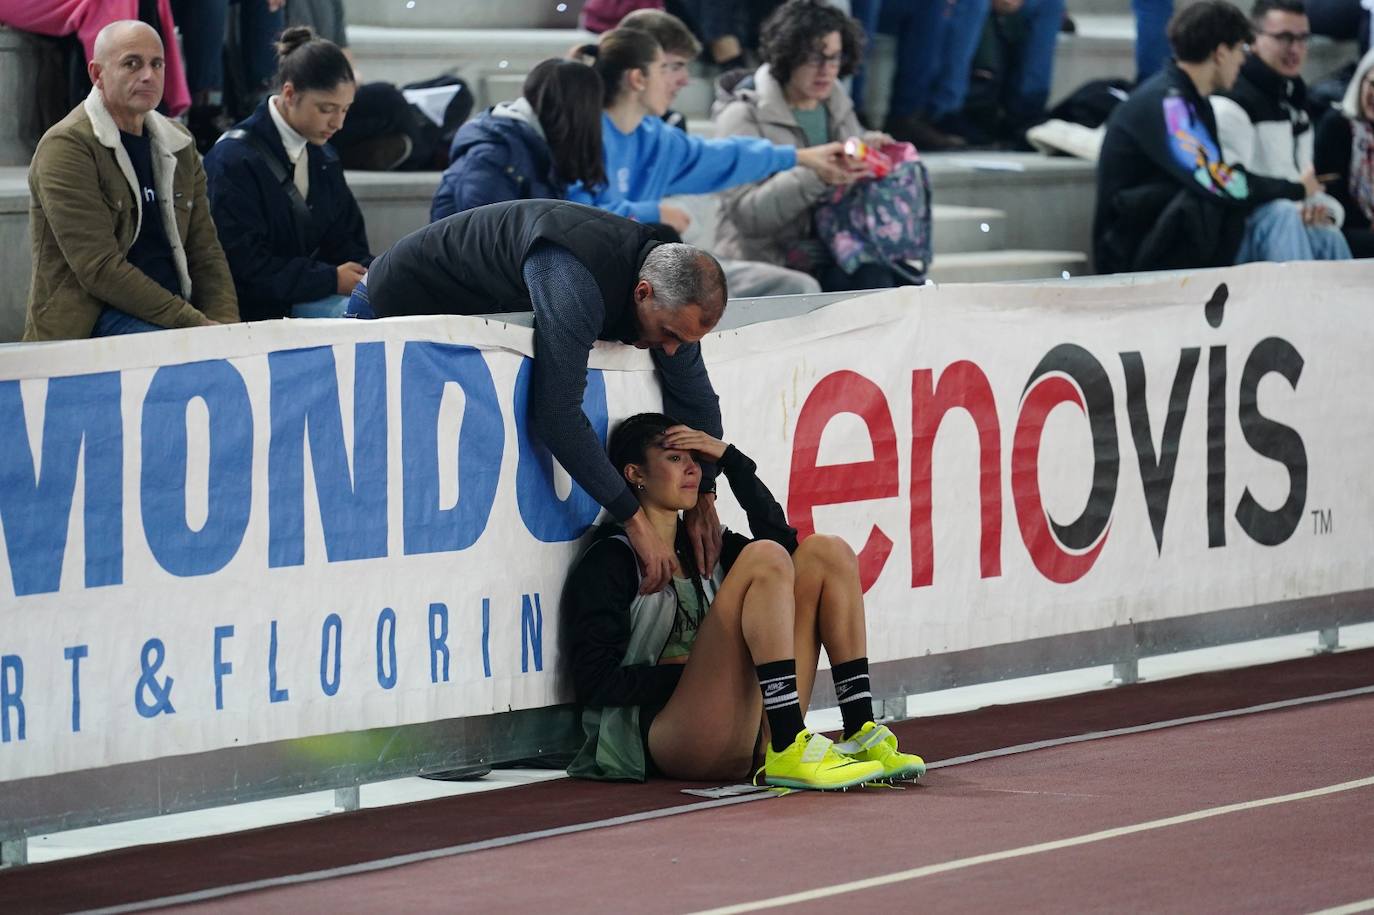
[85, 18]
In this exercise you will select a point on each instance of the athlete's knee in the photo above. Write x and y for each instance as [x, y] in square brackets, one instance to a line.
[831, 553]
[764, 558]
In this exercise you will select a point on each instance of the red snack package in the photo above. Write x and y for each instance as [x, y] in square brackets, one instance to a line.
[858, 149]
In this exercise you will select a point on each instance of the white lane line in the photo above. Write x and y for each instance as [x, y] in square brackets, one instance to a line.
[1350, 908]
[916, 873]
[401, 860]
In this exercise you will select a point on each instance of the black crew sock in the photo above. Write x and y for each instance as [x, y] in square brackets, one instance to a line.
[778, 681]
[854, 693]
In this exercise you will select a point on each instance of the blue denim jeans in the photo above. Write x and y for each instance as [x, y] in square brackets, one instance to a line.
[866, 11]
[1026, 103]
[1151, 44]
[358, 305]
[1275, 232]
[203, 25]
[331, 306]
[916, 24]
[113, 322]
[960, 32]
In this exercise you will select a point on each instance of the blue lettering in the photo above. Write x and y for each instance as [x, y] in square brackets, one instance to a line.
[153, 698]
[11, 695]
[438, 640]
[329, 684]
[549, 518]
[74, 654]
[82, 422]
[178, 549]
[305, 401]
[386, 622]
[486, 637]
[274, 694]
[531, 633]
[223, 667]
[425, 369]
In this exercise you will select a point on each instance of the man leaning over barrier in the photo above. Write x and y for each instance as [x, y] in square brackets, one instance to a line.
[587, 275]
[122, 236]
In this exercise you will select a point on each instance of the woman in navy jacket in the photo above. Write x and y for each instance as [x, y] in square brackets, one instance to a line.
[533, 147]
[289, 225]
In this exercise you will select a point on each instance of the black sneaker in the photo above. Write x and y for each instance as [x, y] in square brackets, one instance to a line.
[922, 134]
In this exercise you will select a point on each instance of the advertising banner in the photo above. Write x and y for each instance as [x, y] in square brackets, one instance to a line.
[232, 535]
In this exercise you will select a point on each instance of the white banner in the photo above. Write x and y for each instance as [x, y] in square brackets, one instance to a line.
[251, 533]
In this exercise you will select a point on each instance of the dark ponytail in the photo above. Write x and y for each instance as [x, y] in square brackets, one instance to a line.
[566, 97]
[309, 62]
[618, 52]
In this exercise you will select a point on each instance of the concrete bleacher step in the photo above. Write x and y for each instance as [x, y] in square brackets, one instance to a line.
[1015, 264]
[464, 14]
[959, 229]
[403, 55]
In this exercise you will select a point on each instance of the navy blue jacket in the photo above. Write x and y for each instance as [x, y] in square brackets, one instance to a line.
[494, 159]
[253, 217]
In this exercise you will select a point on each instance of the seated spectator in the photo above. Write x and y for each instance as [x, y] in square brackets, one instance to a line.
[204, 26]
[1166, 198]
[85, 19]
[1263, 126]
[533, 147]
[795, 97]
[647, 160]
[290, 226]
[747, 278]
[1345, 148]
[1012, 71]
[122, 237]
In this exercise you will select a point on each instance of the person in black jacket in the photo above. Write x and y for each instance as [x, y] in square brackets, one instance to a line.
[1345, 148]
[676, 681]
[1166, 197]
[289, 225]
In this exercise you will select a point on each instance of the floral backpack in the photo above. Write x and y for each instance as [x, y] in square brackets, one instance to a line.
[882, 221]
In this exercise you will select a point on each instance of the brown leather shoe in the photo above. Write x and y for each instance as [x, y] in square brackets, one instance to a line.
[922, 134]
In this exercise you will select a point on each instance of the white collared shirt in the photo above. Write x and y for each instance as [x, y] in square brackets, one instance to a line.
[294, 144]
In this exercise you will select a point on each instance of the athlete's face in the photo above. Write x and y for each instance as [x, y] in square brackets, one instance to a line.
[670, 478]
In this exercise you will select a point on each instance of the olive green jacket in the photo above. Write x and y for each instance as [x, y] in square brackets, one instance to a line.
[85, 212]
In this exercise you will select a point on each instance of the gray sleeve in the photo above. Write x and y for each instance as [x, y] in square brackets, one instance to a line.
[568, 314]
[689, 397]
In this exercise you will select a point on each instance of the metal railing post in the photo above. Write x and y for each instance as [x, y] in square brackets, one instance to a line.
[349, 798]
[14, 852]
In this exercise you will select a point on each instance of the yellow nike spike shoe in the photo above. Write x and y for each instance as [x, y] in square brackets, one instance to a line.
[811, 762]
[875, 743]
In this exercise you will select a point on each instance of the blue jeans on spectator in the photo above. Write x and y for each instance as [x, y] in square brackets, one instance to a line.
[203, 25]
[358, 306]
[866, 11]
[1026, 104]
[331, 306]
[113, 322]
[916, 24]
[1151, 44]
[960, 32]
[1275, 232]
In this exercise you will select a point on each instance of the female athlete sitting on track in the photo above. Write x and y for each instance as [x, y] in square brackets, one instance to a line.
[674, 682]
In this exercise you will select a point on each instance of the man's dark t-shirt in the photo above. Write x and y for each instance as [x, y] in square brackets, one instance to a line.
[151, 251]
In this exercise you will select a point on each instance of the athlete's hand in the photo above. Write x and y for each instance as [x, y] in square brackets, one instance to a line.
[685, 438]
[703, 532]
[656, 558]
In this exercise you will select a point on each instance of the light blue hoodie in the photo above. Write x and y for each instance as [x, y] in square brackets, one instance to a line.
[657, 160]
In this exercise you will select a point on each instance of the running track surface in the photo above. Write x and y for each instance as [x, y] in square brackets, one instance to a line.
[1300, 854]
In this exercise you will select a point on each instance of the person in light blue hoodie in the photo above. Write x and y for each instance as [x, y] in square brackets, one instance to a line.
[647, 159]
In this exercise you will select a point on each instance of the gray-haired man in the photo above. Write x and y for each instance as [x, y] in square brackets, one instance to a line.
[587, 275]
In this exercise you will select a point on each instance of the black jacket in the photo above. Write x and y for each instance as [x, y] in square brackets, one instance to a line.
[1332, 154]
[604, 583]
[472, 263]
[1165, 197]
[253, 217]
